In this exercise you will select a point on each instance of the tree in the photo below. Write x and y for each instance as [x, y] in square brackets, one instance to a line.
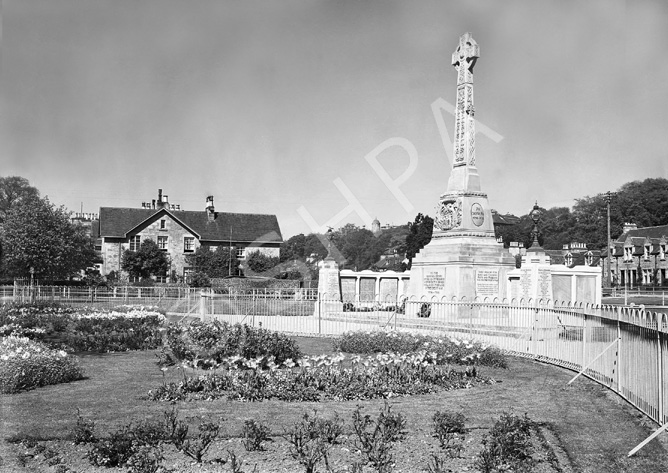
[14, 191]
[148, 261]
[215, 264]
[38, 235]
[258, 262]
[293, 248]
[419, 234]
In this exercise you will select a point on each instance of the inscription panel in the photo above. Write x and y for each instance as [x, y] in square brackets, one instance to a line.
[433, 281]
[487, 282]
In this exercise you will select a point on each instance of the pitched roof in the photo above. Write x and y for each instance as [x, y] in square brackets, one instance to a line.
[651, 232]
[120, 222]
[506, 219]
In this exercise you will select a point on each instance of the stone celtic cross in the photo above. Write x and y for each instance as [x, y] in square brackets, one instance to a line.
[464, 59]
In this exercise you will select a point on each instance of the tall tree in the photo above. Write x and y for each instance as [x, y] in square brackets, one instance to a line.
[38, 235]
[419, 234]
[148, 261]
[14, 190]
[293, 248]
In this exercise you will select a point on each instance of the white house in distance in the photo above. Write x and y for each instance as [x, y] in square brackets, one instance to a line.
[180, 232]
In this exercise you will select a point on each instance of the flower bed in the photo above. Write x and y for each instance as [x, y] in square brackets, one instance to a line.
[319, 378]
[84, 329]
[26, 364]
[447, 349]
[213, 342]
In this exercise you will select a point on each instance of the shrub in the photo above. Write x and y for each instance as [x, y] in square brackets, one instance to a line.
[311, 440]
[254, 434]
[212, 342]
[194, 447]
[25, 364]
[84, 430]
[375, 437]
[507, 446]
[447, 427]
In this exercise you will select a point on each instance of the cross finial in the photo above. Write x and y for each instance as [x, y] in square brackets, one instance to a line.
[466, 53]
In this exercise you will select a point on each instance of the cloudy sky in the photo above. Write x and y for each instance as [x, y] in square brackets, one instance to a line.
[272, 106]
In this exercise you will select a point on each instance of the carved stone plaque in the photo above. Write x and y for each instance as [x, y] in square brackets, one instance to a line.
[448, 214]
[477, 214]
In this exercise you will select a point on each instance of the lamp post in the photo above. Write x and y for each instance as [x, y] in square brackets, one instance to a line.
[608, 199]
[535, 215]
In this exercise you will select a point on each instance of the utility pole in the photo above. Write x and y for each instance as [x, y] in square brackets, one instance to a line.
[608, 199]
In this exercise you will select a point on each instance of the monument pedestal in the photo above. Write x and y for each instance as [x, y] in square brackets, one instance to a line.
[533, 281]
[460, 266]
[329, 287]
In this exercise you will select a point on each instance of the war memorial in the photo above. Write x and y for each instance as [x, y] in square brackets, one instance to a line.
[464, 261]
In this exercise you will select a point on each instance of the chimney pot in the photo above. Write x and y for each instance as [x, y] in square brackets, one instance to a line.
[153, 203]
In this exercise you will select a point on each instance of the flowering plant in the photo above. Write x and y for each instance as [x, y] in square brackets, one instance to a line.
[26, 364]
[85, 328]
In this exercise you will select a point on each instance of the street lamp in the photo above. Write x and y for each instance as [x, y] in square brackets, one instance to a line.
[535, 215]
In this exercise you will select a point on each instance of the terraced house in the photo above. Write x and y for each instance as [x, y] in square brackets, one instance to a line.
[181, 232]
[638, 257]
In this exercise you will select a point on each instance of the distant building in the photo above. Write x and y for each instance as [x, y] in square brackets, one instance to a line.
[575, 254]
[181, 232]
[638, 257]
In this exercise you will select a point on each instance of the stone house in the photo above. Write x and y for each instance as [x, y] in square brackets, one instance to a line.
[638, 257]
[181, 232]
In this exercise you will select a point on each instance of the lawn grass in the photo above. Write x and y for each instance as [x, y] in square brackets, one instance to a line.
[595, 428]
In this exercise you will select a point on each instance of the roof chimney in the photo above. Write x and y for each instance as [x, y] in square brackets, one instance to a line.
[153, 204]
[210, 210]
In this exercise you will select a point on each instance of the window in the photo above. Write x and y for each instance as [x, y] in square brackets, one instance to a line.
[134, 243]
[163, 224]
[188, 244]
[568, 259]
[161, 279]
[646, 254]
[162, 242]
[589, 258]
[662, 252]
[628, 253]
[241, 253]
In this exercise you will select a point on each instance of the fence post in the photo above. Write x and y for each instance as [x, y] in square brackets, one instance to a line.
[659, 366]
[202, 308]
[319, 314]
[619, 350]
[584, 341]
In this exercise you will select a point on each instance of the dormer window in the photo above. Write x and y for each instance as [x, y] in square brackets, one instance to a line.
[662, 252]
[589, 258]
[628, 253]
[568, 259]
[646, 253]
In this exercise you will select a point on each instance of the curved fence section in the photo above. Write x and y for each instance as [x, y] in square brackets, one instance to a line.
[622, 348]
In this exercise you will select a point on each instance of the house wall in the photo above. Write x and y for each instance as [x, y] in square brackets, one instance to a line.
[113, 248]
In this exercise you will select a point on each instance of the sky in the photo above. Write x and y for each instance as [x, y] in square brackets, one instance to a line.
[298, 108]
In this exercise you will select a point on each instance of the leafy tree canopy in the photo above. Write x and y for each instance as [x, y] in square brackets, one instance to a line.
[419, 234]
[260, 263]
[148, 261]
[217, 263]
[14, 191]
[38, 235]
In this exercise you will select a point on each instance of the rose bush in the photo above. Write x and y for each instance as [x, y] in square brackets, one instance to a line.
[26, 364]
